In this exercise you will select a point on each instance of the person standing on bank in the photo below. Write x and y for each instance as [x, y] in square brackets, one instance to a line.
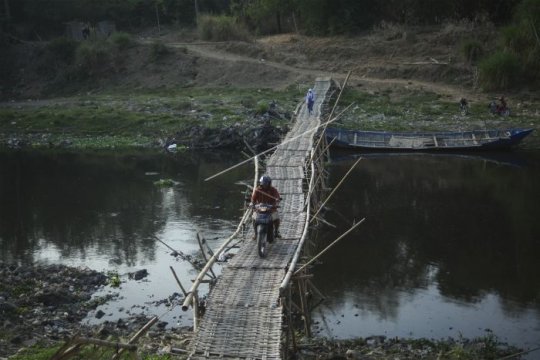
[265, 193]
[310, 100]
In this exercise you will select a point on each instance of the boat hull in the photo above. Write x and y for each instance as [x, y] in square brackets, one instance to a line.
[426, 141]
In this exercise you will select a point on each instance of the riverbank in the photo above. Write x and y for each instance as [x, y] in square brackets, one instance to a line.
[42, 306]
[235, 119]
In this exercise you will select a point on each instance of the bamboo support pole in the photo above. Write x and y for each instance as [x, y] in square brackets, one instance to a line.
[195, 310]
[329, 246]
[69, 352]
[314, 288]
[325, 151]
[303, 305]
[293, 338]
[337, 186]
[311, 189]
[274, 147]
[199, 240]
[179, 253]
[99, 342]
[66, 350]
[178, 282]
[296, 255]
[325, 222]
[137, 335]
[332, 112]
[247, 214]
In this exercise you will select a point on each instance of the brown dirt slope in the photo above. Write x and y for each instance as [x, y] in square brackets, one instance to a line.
[423, 58]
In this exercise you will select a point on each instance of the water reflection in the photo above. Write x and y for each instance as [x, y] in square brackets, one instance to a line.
[443, 236]
[104, 212]
[107, 203]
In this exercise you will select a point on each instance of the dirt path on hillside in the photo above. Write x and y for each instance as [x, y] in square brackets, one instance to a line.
[209, 50]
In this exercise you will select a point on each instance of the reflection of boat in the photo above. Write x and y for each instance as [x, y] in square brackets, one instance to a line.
[426, 141]
[513, 159]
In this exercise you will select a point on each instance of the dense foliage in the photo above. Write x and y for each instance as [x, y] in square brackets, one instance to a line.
[518, 59]
[518, 56]
[47, 17]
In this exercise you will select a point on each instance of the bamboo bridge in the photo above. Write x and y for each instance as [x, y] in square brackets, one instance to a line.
[248, 310]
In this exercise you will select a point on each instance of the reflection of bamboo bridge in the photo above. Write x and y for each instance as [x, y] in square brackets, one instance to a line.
[248, 310]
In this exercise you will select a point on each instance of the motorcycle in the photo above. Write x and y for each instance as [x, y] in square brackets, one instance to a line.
[499, 109]
[464, 107]
[264, 227]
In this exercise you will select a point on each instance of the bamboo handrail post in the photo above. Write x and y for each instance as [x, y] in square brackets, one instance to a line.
[204, 255]
[329, 246]
[274, 147]
[314, 288]
[195, 311]
[137, 335]
[296, 255]
[178, 282]
[211, 261]
[334, 108]
[337, 186]
[194, 286]
[293, 338]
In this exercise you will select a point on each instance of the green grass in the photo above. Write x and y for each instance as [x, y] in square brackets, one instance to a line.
[88, 352]
[138, 119]
[403, 110]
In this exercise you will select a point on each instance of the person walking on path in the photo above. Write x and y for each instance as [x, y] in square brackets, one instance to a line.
[310, 100]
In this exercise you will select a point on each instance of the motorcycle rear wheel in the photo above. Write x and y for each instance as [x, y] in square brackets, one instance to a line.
[262, 237]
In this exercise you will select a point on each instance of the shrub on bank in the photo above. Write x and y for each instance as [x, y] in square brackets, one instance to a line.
[92, 57]
[157, 50]
[471, 50]
[499, 71]
[62, 48]
[121, 40]
[221, 28]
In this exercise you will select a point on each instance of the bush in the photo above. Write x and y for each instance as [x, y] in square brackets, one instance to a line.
[262, 107]
[121, 40]
[221, 28]
[471, 50]
[499, 71]
[92, 57]
[158, 50]
[516, 39]
[62, 48]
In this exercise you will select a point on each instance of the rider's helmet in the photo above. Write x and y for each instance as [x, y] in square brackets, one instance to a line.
[265, 180]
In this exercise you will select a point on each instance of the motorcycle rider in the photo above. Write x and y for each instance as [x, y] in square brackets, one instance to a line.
[267, 194]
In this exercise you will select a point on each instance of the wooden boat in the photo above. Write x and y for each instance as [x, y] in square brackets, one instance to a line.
[426, 141]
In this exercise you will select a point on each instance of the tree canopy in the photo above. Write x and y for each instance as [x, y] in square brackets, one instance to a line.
[261, 16]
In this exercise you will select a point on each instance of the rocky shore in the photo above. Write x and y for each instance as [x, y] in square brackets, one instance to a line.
[44, 305]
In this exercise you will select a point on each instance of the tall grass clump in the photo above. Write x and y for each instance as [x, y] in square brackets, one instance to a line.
[499, 71]
[221, 28]
[92, 57]
[62, 48]
[522, 38]
[121, 40]
[158, 50]
[471, 50]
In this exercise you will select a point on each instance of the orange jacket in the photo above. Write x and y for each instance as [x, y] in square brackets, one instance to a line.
[267, 196]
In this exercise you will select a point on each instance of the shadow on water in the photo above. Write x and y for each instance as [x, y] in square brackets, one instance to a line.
[104, 211]
[107, 202]
[450, 246]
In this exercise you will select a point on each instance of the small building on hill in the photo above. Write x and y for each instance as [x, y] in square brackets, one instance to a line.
[79, 30]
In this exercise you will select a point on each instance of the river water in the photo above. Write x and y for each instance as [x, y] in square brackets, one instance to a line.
[449, 247]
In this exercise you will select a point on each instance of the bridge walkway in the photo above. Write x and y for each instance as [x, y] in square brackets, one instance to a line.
[244, 317]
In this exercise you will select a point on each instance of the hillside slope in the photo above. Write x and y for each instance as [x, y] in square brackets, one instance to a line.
[427, 58]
